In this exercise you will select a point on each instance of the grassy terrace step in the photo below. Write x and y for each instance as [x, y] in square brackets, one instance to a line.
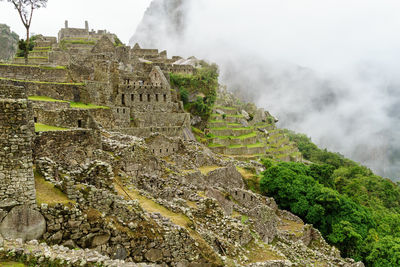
[234, 132]
[256, 145]
[36, 66]
[42, 48]
[39, 127]
[72, 104]
[241, 137]
[40, 82]
[45, 98]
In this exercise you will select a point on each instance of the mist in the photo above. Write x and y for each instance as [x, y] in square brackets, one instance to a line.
[325, 68]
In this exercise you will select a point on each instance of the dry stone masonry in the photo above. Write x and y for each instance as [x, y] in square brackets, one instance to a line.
[17, 186]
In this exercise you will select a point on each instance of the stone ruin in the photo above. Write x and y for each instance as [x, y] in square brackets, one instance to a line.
[127, 179]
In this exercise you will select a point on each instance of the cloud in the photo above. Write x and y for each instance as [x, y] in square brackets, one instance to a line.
[326, 68]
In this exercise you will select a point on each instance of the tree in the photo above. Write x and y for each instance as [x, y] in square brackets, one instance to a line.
[25, 10]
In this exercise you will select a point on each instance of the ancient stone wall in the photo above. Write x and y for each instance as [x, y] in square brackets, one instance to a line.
[83, 118]
[17, 185]
[70, 148]
[33, 73]
[166, 119]
[147, 131]
[48, 105]
[161, 145]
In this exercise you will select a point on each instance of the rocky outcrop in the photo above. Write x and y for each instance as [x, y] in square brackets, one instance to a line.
[8, 42]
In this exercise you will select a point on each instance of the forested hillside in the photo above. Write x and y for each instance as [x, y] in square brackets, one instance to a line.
[354, 209]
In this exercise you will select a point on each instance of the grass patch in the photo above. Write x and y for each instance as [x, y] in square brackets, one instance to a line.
[39, 82]
[235, 146]
[47, 193]
[196, 130]
[86, 106]
[45, 98]
[36, 66]
[206, 169]
[235, 116]
[11, 264]
[215, 145]
[256, 145]
[240, 137]
[39, 127]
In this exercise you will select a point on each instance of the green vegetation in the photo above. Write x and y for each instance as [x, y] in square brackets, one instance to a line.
[72, 104]
[355, 210]
[11, 264]
[39, 127]
[22, 46]
[45, 98]
[204, 84]
[86, 106]
[47, 193]
[39, 82]
[117, 42]
[36, 66]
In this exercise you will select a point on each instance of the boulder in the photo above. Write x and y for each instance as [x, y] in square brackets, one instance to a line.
[154, 255]
[23, 222]
[220, 112]
[245, 115]
[100, 240]
[119, 253]
[244, 123]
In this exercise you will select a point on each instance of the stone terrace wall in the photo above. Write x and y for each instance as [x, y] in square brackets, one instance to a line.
[144, 119]
[68, 92]
[71, 148]
[33, 73]
[83, 118]
[17, 185]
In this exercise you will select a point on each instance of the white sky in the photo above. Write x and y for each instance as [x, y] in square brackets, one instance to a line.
[119, 16]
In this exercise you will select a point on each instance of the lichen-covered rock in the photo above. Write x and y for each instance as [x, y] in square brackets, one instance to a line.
[23, 222]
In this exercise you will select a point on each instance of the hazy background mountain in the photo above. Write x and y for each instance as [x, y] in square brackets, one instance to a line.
[322, 68]
[8, 42]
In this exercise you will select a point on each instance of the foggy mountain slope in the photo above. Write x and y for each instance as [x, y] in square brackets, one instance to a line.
[330, 74]
[8, 42]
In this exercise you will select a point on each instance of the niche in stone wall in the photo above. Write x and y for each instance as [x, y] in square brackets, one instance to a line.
[165, 98]
[79, 123]
[123, 99]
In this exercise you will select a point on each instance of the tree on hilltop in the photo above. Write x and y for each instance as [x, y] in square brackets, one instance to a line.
[25, 10]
